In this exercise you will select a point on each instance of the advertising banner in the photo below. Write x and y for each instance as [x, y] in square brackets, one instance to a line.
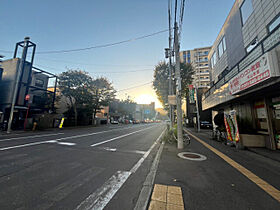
[260, 70]
[191, 94]
[231, 126]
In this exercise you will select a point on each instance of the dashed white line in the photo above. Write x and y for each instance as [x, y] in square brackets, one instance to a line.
[31, 137]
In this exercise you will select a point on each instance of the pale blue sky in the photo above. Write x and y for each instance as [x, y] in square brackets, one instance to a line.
[70, 24]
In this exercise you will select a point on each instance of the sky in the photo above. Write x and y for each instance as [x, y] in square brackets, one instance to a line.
[71, 24]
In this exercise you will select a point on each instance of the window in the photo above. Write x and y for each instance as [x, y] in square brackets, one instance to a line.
[205, 52]
[39, 83]
[253, 44]
[213, 60]
[246, 10]
[274, 24]
[222, 47]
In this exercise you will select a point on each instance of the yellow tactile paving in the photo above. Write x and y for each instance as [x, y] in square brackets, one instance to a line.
[159, 196]
[174, 207]
[160, 187]
[272, 191]
[166, 197]
[157, 205]
[175, 199]
[174, 190]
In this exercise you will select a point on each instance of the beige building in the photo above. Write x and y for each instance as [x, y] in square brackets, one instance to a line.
[198, 57]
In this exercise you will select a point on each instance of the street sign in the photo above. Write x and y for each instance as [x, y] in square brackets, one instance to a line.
[172, 99]
[191, 94]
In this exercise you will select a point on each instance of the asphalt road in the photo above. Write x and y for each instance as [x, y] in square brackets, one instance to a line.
[98, 167]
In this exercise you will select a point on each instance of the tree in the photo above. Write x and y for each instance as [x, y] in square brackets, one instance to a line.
[76, 86]
[161, 80]
[102, 94]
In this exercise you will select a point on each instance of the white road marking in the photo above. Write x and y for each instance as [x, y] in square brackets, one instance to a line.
[139, 163]
[31, 137]
[102, 196]
[118, 137]
[66, 143]
[126, 151]
[110, 149]
[23, 145]
[52, 141]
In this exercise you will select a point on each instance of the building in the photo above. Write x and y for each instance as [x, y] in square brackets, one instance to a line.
[145, 112]
[198, 57]
[245, 74]
[28, 85]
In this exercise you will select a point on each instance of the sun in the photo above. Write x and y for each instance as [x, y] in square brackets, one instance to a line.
[145, 99]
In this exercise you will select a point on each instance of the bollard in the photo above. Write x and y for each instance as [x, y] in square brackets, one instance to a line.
[34, 126]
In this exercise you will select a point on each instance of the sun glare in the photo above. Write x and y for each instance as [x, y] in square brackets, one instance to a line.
[145, 99]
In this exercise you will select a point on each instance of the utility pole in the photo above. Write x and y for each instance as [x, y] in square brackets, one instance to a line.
[18, 74]
[197, 109]
[196, 90]
[180, 144]
[170, 71]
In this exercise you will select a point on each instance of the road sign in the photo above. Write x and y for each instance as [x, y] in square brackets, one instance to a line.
[172, 99]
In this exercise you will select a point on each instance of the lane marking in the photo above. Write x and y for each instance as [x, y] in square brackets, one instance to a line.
[272, 191]
[119, 137]
[31, 137]
[54, 140]
[138, 164]
[66, 143]
[102, 196]
[23, 145]
[123, 151]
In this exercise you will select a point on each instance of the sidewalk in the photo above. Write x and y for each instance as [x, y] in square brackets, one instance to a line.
[272, 154]
[213, 183]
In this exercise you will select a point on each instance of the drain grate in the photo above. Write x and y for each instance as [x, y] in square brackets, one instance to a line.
[192, 156]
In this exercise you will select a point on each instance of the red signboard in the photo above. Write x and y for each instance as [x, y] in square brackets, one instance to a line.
[27, 97]
[257, 72]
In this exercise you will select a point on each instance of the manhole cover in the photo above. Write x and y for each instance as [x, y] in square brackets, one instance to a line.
[191, 156]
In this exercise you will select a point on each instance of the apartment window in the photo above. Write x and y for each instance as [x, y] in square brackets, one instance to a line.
[252, 45]
[274, 24]
[222, 47]
[246, 10]
[205, 52]
[213, 60]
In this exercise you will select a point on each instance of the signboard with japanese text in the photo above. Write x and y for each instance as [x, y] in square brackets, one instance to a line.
[191, 94]
[257, 72]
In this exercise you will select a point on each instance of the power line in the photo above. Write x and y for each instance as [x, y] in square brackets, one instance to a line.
[101, 72]
[97, 46]
[135, 86]
[104, 45]
[91, 64]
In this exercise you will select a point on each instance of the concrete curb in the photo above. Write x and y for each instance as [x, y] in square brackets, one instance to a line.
[146, 191]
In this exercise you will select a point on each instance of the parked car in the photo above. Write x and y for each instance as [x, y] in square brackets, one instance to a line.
[114, 122]
[206, 124]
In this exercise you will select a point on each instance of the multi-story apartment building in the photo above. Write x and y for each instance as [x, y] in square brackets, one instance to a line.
[245, 74]
[198, 57]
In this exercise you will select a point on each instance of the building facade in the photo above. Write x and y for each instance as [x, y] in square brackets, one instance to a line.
[245, 75]
[32, 93]
[198, 57]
